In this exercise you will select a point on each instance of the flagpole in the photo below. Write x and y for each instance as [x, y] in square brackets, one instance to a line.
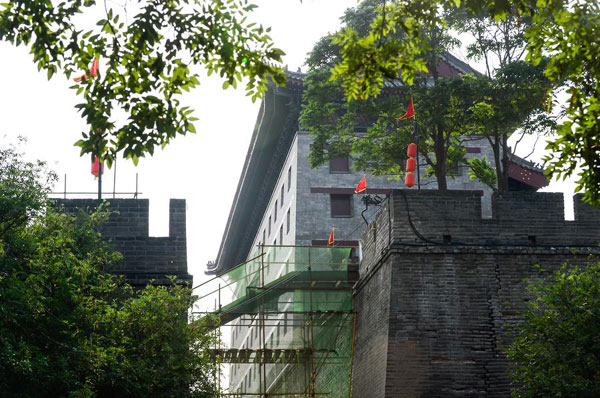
[416, 131]
[416, 134]
[99, 178]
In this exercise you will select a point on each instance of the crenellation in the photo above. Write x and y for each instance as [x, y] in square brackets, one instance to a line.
[520, 218]
[526, 206]
[584, 213]
[445, 310]
[145, 259]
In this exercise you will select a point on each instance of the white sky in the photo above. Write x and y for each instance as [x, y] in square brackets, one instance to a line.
[202, 168]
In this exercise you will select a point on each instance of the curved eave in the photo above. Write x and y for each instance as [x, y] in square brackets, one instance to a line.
[528, 176]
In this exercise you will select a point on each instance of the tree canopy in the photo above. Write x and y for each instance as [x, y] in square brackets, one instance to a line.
[147, 52]
[565, 32]
[450, 108]
[69, 329]
[557, 349]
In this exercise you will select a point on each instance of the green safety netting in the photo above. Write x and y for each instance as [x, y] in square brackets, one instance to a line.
[294, 307]
[272, 271]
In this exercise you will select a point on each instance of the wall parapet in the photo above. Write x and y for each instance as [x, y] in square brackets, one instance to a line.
[446, 288]
[145, 259]
[453, 218]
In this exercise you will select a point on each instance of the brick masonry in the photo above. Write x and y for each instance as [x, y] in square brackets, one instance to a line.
[437, 300]
[145, 258]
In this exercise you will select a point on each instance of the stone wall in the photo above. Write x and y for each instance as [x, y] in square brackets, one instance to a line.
[145, 258]
[440, 288]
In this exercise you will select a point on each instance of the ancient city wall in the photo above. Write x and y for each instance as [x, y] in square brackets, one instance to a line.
[145, 258]
[441, 288]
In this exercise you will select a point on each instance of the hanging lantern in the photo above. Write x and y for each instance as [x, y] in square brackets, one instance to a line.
[410, 179]
[97, 166]
[411, 164]
[412, 150]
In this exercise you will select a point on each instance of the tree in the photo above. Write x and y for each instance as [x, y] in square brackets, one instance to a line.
[513, 100]
[565, 32]
[69, 329]
[146, 52]
[557, 349]
[450, 110]
[516, 92]
[382, 149]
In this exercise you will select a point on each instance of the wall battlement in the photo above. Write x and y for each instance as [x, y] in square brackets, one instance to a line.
[447, 292]
[145, 258]
[453, 218]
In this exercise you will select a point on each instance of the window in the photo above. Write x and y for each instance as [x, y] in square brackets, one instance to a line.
[339, 164]
[287, 222]
[281, 235]
[341, 205]
[269, 225]
[275, 212]
[281, 199]
[264, 236]
[289, 177]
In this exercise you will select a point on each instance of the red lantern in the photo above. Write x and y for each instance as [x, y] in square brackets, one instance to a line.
[411, 164]
[412, 150]
[96, 166]
[409, 180]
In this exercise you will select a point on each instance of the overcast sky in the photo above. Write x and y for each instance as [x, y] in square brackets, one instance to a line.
[203, 168]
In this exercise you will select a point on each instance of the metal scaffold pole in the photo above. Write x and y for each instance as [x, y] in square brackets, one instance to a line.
[354, 319]
[262, 315]
[219, 343]
[313, 375]
[313, 358]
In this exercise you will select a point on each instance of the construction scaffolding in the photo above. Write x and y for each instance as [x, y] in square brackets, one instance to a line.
[285, 321]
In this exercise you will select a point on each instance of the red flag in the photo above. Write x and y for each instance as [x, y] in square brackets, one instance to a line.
[94, 68]
[331, 239]
[410, 112]
[362, 185]
[93, 71]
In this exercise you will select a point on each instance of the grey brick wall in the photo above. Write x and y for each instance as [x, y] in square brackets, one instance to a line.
[434, 318]
[313, 218]
[145, 258]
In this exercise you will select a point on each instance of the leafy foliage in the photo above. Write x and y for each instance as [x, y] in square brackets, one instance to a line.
[145, 61]
[569, 33]
[557, 349]
[73, 329]
[566, 32]
[449, 109]
[482, 170]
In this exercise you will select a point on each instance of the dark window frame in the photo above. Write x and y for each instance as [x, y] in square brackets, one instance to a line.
[339, 165]
[336, 204]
